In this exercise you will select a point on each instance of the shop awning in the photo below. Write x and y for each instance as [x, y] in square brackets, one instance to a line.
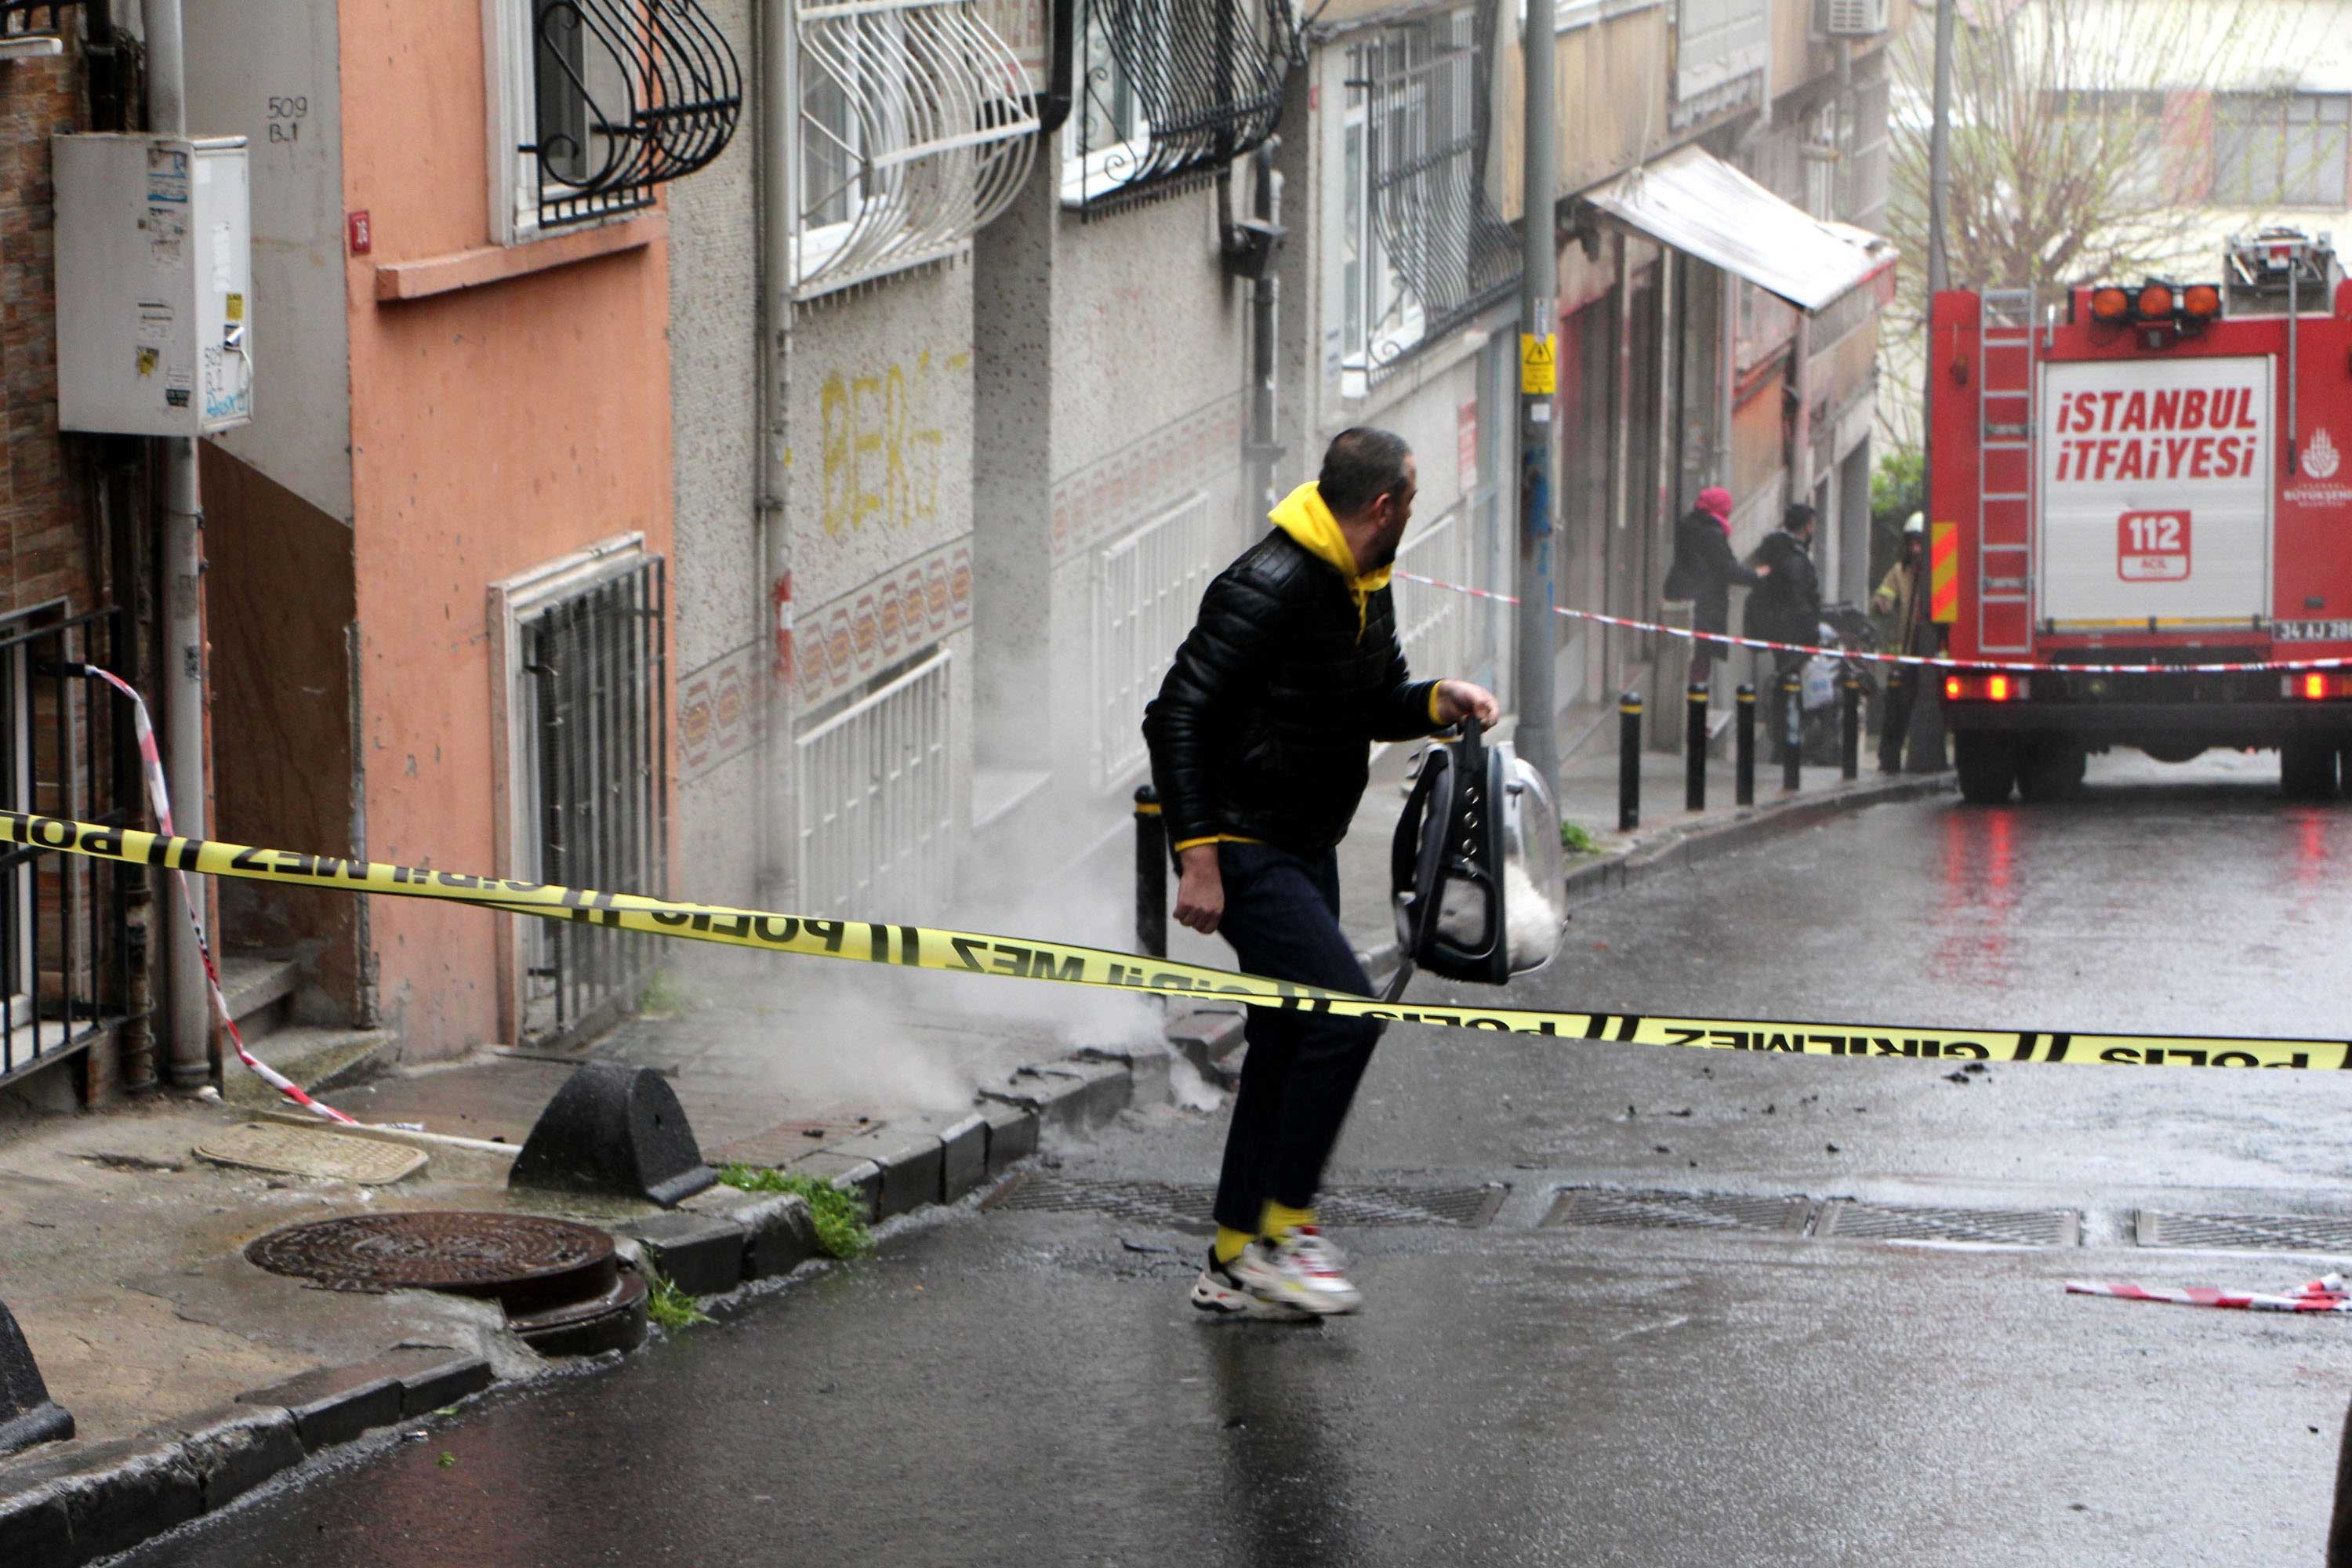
[1696, 203]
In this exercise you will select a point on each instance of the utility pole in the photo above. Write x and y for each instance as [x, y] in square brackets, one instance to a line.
[1535, 738]
[188, 997]
[1924, 746]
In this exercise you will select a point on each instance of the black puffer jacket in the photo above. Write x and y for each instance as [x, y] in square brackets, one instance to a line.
[1262, 728]
[1787, 608]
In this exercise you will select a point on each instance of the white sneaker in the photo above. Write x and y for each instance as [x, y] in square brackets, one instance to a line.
[1298, 1268]
[1220, 1291]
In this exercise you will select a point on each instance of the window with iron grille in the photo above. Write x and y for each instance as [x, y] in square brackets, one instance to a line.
[1172, 92]
[1145, 590]
[595, 102]
[593, 772]
[65, 752]
[2281, 149]
[1420, 250]
[915, 130]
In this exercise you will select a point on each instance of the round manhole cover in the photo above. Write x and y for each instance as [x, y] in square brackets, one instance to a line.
[521, 1260]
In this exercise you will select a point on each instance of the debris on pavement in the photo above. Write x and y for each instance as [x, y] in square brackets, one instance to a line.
[2324, 1294]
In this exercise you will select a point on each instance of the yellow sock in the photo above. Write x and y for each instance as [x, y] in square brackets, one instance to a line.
[1280, 1217]
[1230, 1244]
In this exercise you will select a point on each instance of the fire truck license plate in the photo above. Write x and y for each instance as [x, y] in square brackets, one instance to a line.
[2152, 546]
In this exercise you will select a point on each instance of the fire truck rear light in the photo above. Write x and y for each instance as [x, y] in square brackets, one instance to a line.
[1988, 688]
[2156, 302]
[2110, 304]
[2202, 302]
[2318, 686]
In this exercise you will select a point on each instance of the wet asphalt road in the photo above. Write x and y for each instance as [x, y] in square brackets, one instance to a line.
[1030, 1387]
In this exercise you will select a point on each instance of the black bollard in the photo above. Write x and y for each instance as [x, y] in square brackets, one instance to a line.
[1850, 740]
[1150, 873]
[1629, 762]
[1743, 791]
[1695, 747]
[1791, 717]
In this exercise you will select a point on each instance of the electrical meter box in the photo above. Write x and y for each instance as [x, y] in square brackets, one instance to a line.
[154, 270]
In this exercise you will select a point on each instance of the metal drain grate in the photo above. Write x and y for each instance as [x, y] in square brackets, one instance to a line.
[1679, 1211]
[1847, 1220]
[1186, 1205]
[2244, 1232]
[521, 1259]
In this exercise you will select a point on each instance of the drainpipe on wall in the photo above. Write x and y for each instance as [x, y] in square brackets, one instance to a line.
[774, 42]
[1801, 437]
[1061, 92]
[1264, 451]
[183, 651]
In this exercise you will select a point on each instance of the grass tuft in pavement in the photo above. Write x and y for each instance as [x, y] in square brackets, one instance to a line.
[840, 1230]
[671, 1307]
[1575, 839]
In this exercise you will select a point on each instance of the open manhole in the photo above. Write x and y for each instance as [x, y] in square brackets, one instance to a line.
[1186, 1205]
[525, 1263]
[1679, 1211]
[1847, 1220]
[2244, 1232]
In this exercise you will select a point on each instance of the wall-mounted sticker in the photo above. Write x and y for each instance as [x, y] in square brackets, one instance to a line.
[167, 175]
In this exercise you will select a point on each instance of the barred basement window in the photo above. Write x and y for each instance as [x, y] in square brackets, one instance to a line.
[600, 100]
[1173, 91]
[915, 130]
[587, 751]
[1421, 250]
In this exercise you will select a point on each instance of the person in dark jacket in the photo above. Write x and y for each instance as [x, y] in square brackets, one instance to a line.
[1703, 570]
[1787, 608]
[1260, 743]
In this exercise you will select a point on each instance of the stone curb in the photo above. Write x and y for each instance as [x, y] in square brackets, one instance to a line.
[71, 1508]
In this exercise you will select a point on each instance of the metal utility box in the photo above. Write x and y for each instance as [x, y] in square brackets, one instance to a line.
[154, 270]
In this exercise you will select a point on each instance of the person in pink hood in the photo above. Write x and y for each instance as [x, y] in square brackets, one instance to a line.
[1703, 570]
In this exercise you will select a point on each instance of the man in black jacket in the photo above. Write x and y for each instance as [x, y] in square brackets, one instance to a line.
[1260, 739]
[1787, 608]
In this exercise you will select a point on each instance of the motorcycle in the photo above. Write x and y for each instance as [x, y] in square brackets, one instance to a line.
[1849, 628]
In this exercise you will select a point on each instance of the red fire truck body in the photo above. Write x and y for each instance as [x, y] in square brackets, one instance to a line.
[2153, 476]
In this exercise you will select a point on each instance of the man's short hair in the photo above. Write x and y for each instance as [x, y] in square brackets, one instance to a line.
[1359, 467]
[1800, 517]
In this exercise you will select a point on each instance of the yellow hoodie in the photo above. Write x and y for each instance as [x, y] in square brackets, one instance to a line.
[1304, 517]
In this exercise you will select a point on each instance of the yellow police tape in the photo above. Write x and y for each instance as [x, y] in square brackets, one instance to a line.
[972, 952]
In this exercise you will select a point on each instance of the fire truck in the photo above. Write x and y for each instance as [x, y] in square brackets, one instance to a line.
[2149, 480]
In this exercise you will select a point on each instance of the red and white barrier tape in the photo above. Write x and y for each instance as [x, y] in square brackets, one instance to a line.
[2325, 1294]
[160, 799]
[1920, 660]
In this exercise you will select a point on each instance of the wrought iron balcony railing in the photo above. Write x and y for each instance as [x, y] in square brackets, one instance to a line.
[1171, 92]
[1434, 252]
[630, 93]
